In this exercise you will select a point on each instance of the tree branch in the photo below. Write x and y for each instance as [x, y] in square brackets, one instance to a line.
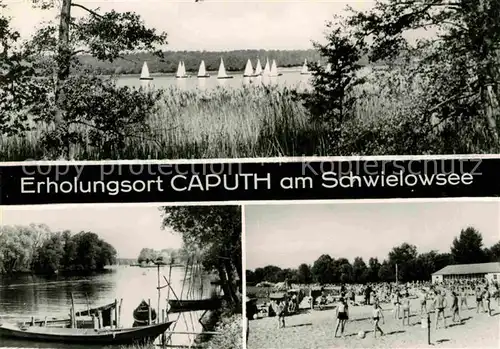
[87, 9]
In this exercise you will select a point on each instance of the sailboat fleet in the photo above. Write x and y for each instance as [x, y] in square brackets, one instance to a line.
[270, 70]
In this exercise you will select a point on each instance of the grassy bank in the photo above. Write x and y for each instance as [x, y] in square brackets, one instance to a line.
[268, 122]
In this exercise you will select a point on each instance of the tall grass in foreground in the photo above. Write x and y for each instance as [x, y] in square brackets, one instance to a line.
[388, 119]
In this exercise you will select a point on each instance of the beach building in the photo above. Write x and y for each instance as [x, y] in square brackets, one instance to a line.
[490, 271]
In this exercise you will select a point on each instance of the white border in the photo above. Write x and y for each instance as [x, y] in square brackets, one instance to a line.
[252, 160]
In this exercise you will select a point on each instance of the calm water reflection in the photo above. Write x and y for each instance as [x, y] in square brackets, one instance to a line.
[22, 297]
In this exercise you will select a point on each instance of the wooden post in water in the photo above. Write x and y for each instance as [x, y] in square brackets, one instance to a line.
[99, 319]
[32, 321]
[116, 314]
[159, 292]
[120, 312]
[73, 315]
[149, 312]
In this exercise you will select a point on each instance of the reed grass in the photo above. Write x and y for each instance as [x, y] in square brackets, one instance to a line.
[252, 122]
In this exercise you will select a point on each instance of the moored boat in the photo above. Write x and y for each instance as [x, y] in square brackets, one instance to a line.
[274, 70]
[181, 71]
[124, 336]
[178, 306]
[222, 71]
[141, 314]
[267, 69]
[258, 68]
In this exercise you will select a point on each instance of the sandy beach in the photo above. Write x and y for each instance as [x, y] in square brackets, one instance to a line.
[315, 329]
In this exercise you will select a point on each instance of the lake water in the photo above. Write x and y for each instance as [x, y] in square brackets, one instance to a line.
[289, 78]
[22, 297]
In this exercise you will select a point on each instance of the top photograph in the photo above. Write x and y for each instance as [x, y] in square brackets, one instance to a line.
[214, 79]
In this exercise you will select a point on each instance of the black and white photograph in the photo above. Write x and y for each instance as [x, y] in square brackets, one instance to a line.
[191, 79]
[129, 276]
[373, 274]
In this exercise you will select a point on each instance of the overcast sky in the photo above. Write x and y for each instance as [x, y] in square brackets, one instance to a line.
[127, 228]
[213, 25]
[287, 235]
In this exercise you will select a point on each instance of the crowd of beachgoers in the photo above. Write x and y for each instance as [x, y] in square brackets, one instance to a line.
[348, 306]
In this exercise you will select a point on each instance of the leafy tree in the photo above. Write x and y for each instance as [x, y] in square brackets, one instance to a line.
[373, 271]
[456, 71]
[304, 274]
[468, 247]
[386, 272]
[323, 270]
[494, 253]
[404, 256]
[216, 232]
[359, 270]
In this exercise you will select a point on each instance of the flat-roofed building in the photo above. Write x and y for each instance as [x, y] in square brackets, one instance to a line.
[489, 271]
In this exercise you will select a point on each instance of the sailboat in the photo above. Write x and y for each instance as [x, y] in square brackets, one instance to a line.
[267, 69]
[248, 69]
[258, 68]
[145, 72]
[222, 71]
[202, 72]
[305, 69]
[274, 69]
[181, 71]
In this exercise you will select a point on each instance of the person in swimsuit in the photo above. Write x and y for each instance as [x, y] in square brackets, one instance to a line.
[377, 316]
[455, 308]
[440, 305]
[406, 310]
[423, 302]
[281, 312]
[342, 317]
[487, 299]
[397, 303]
[463, 298]
[479, 300]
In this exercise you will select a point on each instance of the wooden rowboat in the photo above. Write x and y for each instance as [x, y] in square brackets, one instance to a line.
[126, 336]
[141, 314]
[178, 306]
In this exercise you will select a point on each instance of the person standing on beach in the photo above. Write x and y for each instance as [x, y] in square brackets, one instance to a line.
[406, 310]
[455, 308]
[440, 305]
[342, 317]
[479, 300]
[397, 303]
[377, 316]
[423, 302]
[282, 307]
[463, 298]
[487, 299]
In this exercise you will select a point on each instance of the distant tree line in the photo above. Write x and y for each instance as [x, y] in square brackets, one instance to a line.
[412, 266]
[233, 60]
[167, 255]
[36, 249]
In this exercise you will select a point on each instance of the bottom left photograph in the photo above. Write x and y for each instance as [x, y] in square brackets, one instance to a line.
[125, 276]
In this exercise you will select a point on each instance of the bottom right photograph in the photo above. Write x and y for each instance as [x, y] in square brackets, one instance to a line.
[391, 273]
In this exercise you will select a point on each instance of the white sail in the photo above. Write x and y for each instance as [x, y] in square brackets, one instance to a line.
[222, 70]
[258, 68]
[202, 72]
[184, 74]
[179, 73]
[267, 69]
[145, 72]
[248, 69]
[274, 69]
[305, 68]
